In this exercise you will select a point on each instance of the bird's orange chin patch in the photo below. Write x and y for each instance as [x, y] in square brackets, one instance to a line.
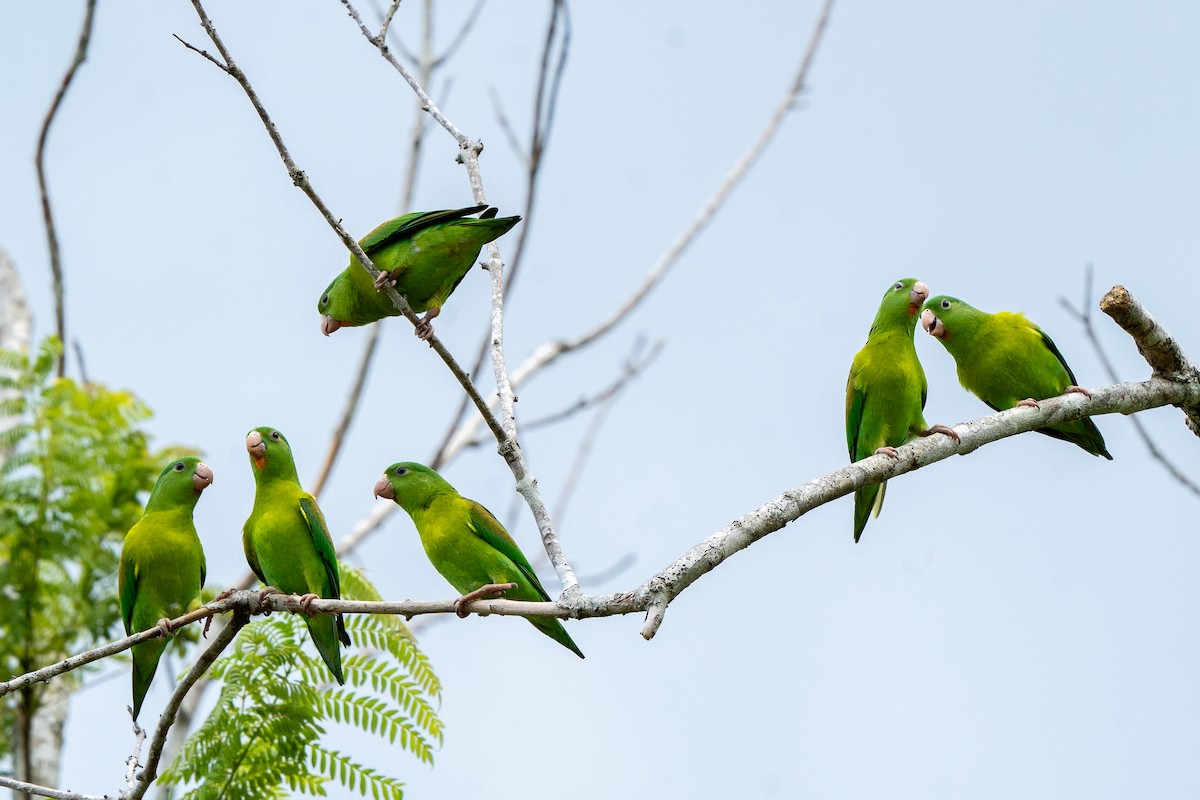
[259, 461]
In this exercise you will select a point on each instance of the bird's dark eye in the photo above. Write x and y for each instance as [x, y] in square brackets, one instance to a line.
[401, 471]
[899, 285]
[178, 466]
[275, 435]
[325, 300]
[945, 304]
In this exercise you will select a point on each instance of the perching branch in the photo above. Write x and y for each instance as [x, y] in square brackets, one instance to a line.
[60, 318]
[1178, 383]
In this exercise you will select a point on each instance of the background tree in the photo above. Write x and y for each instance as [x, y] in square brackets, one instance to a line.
[1005, 613]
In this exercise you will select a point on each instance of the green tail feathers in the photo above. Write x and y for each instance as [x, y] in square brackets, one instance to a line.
[866, 500]
[1081, 432]
[555, 630]
[326, 631]
[145, 663]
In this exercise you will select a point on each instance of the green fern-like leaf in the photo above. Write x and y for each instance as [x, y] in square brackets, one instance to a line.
[265, 737]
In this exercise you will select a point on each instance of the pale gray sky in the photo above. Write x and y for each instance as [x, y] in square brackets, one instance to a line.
[1018, 623]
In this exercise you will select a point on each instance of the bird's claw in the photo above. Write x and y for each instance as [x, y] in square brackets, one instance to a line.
[943, 429]
[1028, 402]
[383, 280]
[1078, 390]
[263, 594]
[888, 451]
[424, 331]
[164, 627]
[306, 601]
[487, 590]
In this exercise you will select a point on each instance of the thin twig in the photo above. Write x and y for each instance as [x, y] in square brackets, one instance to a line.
[548, 353]
[131, 763]
[81, 49]
[1084, 315]
[632, 369]
[351, 407]
[544, 108]
[427, 104]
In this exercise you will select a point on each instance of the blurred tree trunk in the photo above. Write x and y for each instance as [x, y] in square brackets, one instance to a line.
[37, 737]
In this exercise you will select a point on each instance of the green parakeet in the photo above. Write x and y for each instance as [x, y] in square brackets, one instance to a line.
[1005, 360]
[287, 542]
[162, 565]
[464, 541]
[885, 393]
[425, 255]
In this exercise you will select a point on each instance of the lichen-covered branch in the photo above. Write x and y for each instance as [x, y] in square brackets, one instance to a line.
[1159, 348]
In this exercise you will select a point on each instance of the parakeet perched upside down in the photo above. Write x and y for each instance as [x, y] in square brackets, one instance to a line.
[466, 544]
[162, 565]
[424, 255]
[885, 393]
[287, 542]
[1005, 360]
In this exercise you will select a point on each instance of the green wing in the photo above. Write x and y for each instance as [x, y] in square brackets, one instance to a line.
[127, 581]
[321, 538]
[251, 556]
[409, 225]
[488, 528]
[324, 543]
[1049, 343]
[856, 400]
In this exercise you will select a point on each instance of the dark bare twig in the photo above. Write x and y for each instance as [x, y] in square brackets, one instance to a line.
[1084, 315]
[81, 49]
[348, 412]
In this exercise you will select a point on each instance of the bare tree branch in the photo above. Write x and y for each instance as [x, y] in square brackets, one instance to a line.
[1084, 314]
[45, 791]
[60, 318]
[544, 108]
[167, 718]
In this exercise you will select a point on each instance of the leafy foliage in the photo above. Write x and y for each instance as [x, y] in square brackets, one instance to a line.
[73, 461]
[277, 702]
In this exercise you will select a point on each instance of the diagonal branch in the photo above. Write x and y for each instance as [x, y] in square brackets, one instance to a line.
[1084, 315]
[60, 318]
[167, 719]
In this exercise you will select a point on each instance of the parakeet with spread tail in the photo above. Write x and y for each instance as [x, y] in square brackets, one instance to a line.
[1005, 360]
[162, 565]
[885, 393]
[287, 542]
[423, 255]
[466, 544]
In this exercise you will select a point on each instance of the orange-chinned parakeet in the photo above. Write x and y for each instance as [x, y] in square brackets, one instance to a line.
[464, 541]
[1005, 360]
[287, 542]
[162, 565]
[424, 255]
[885, 393]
